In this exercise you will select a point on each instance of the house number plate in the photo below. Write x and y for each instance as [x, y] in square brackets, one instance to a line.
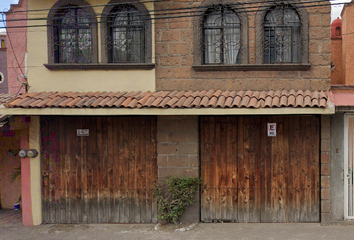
[82, 132]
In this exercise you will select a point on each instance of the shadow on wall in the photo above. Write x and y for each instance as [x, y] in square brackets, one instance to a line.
[10, 190]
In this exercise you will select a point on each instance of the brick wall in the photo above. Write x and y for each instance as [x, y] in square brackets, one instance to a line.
[178, 153]
[175, 55]
[325, 170]
[18, 37]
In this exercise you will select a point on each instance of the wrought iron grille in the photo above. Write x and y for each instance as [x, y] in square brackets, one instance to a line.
[282, 38]
[125, 40]
[221, 36]
[72, 36]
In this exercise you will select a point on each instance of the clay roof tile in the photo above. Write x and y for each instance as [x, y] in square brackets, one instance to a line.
[221, 101]
[212, 102]
[196, 102]
[188, 101]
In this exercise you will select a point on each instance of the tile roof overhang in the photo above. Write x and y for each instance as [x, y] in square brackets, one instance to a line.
[5, 97]
[171, 103]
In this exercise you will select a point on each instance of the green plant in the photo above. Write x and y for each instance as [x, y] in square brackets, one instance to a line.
[174, 194]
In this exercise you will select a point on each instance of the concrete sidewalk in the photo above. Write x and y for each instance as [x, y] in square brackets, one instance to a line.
[201, 231]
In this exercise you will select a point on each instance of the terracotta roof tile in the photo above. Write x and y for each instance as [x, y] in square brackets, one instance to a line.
[167, 99]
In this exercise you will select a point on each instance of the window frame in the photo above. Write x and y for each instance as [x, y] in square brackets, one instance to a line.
[198, 36]
[304, 36]
[50, 32]
[106, 14]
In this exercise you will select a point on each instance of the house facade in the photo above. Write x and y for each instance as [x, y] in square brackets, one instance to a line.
[342, 90]
[12, 128]
[122, 94]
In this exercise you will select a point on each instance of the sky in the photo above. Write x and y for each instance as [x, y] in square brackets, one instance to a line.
[336, 9]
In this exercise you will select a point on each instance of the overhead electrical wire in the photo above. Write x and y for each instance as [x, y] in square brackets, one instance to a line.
[154, 1]
[165, 17]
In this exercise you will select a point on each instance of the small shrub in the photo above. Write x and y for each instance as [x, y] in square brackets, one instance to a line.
[174, 195]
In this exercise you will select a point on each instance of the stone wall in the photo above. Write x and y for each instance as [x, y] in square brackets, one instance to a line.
[178, 153]
[175, 55]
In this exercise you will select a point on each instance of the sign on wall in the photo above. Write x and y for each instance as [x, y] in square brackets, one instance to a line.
[272, 129]
[82, 132]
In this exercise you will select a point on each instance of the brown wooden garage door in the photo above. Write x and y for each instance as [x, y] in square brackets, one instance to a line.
[250, 177]
[105, 177]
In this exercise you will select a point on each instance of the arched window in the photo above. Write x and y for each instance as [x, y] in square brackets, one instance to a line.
[72, 35]
[3, 44]
[125, 40]
[126, 33]
[221, 36]
[338, 31]
[282, 37]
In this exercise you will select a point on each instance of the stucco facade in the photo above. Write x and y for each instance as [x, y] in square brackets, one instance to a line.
[79, 80]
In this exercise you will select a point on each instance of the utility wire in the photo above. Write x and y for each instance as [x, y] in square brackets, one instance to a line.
[167, 17]
[168, 11]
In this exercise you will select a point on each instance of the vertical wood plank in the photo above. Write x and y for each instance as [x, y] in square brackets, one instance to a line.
[110, 169]
[246, 166]
[258, 166]
[84, 174]
[153, 178]
[149, 171]
[223, 169]
[230, 142]
[213, 164]
[235, 169]
[122, 170]
[143, 176]
[241, 174]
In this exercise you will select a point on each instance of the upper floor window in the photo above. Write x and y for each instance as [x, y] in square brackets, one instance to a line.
[72, 33]
[3, 44]
[126, 34]
[72, 36]
[282, 35]
[282, 38]
[125, 40]
[221, 36]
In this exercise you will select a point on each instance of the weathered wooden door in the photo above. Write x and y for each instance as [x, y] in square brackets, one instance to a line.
[250, 177]
[105, 177]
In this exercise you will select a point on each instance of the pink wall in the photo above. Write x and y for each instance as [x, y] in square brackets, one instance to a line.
[348, 43]
[18, 38]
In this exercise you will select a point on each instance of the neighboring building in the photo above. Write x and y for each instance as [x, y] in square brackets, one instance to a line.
[10, 132]
[13, 129]
[123, 93]
[342, 123]
[3, 64]
[17, 47]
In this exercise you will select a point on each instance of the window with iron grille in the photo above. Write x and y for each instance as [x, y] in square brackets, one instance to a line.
[221, 36]
[125, 40]
[282, 37]
[72, 35]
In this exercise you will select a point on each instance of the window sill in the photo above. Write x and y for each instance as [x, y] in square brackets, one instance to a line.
[253, 67]
[102, 66]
